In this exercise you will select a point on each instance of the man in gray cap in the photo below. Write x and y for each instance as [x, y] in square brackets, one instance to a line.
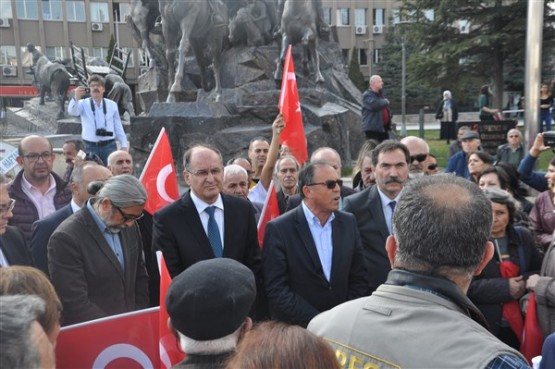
[470, 142]
[208, 305]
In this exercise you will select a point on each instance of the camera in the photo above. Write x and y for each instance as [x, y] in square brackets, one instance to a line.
[101, 132]
[549, 139]
[87, 90]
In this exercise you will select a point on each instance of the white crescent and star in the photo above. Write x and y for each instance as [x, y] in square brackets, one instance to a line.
[161, 183]
[122, 350]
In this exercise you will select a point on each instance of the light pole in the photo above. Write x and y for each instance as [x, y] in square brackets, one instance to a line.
[403, 87]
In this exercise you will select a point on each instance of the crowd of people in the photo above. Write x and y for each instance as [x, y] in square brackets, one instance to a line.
[408, 268]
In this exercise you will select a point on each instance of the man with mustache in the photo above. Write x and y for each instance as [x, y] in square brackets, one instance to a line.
[100, 120]
[38, 191]
[95, 257]
[373, 208]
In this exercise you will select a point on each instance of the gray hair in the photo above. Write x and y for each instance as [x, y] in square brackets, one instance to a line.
[232, 169]
[17, 346]
[210, 347]
[123, 191]
[282, 158]
[439, 233]
[446, 94]
[374, 79]
[111, 157]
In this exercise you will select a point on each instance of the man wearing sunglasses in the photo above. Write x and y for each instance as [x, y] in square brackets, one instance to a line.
[513, 151]
[95, 257]
[38, 191]
[419, 150]
[13, 250]
[312, 255]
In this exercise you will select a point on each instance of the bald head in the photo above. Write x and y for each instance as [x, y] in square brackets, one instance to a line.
[36, 158]
[120, 162]
[84, 174]
[419, 150]
[328, 155]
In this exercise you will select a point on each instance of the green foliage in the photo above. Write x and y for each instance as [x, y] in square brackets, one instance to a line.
[493, 51]
[355, 74]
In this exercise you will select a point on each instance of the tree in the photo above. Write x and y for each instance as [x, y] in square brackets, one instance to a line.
[355, 74]
[488, 51]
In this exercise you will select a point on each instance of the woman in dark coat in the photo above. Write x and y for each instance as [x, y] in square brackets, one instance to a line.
[448, 114]
[502, 283]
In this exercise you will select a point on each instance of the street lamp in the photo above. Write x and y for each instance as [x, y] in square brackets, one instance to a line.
[403, 79]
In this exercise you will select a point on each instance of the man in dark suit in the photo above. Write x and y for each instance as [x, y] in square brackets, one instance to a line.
[205, 223]
[95, 256]
[80, 178]
[13, 250]
[312, 256]
[373, 208]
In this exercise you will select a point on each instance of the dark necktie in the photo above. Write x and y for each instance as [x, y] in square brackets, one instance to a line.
[392, 206]
[214, 232]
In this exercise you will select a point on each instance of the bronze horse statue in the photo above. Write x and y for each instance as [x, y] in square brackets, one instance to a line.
[51, 77]
[117, 90]
[200, 25]
[298, 24]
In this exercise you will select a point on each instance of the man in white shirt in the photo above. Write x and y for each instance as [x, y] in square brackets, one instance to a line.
[100, 120]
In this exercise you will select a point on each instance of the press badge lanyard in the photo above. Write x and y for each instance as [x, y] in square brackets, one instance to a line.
[94, 113]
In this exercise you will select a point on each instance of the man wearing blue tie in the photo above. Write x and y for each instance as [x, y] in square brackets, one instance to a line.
[373, 208]
[206, 223]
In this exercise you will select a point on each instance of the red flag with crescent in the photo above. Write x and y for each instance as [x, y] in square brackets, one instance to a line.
[169, 352]
[269, 211]
[158, 176]
[293, 134]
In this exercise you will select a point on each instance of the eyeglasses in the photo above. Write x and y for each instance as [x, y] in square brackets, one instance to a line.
[419, 157]
[9, 207]
[330, 183]
[432, 167]
[128, 217]
[204, 172]
[34, 156]
[514, 136]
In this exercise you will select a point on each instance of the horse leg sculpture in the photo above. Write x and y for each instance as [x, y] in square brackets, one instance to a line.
[279, 67]
[171, 50]
[313, 48]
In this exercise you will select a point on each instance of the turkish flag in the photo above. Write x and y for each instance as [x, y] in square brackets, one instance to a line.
[159, 176]
[169, 352]
[124, 341]
[269, 211]
[293, 134]
[532, 336]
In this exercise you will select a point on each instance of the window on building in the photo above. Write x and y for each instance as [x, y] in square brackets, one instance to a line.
[75, 11]
[100, 52]
[395, 16]
[27, 9]
[361, 16]
[121, 10]
[52, 9]
[99, 12]
[343, 17]
[6, 9]
[345, 53]
[8, 55]
[362, 57]
[327, 15]
[377, 56]
[378, 16]
[55, 53]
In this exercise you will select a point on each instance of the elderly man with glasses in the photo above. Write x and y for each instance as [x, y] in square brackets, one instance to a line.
[513, 151]
[13, 250]
[38, 191]
[95, 257]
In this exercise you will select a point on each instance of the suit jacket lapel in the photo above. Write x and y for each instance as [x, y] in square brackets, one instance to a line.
[306, 238]
[376, 209]
[100, 241]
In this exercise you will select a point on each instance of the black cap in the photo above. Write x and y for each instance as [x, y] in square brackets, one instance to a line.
[470, 135]
[211, 299]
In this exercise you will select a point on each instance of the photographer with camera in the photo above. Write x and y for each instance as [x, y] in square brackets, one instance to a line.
[100, 120]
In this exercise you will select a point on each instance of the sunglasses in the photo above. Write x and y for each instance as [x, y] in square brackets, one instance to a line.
[330, 184]
[420, 158]
[432, 166]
